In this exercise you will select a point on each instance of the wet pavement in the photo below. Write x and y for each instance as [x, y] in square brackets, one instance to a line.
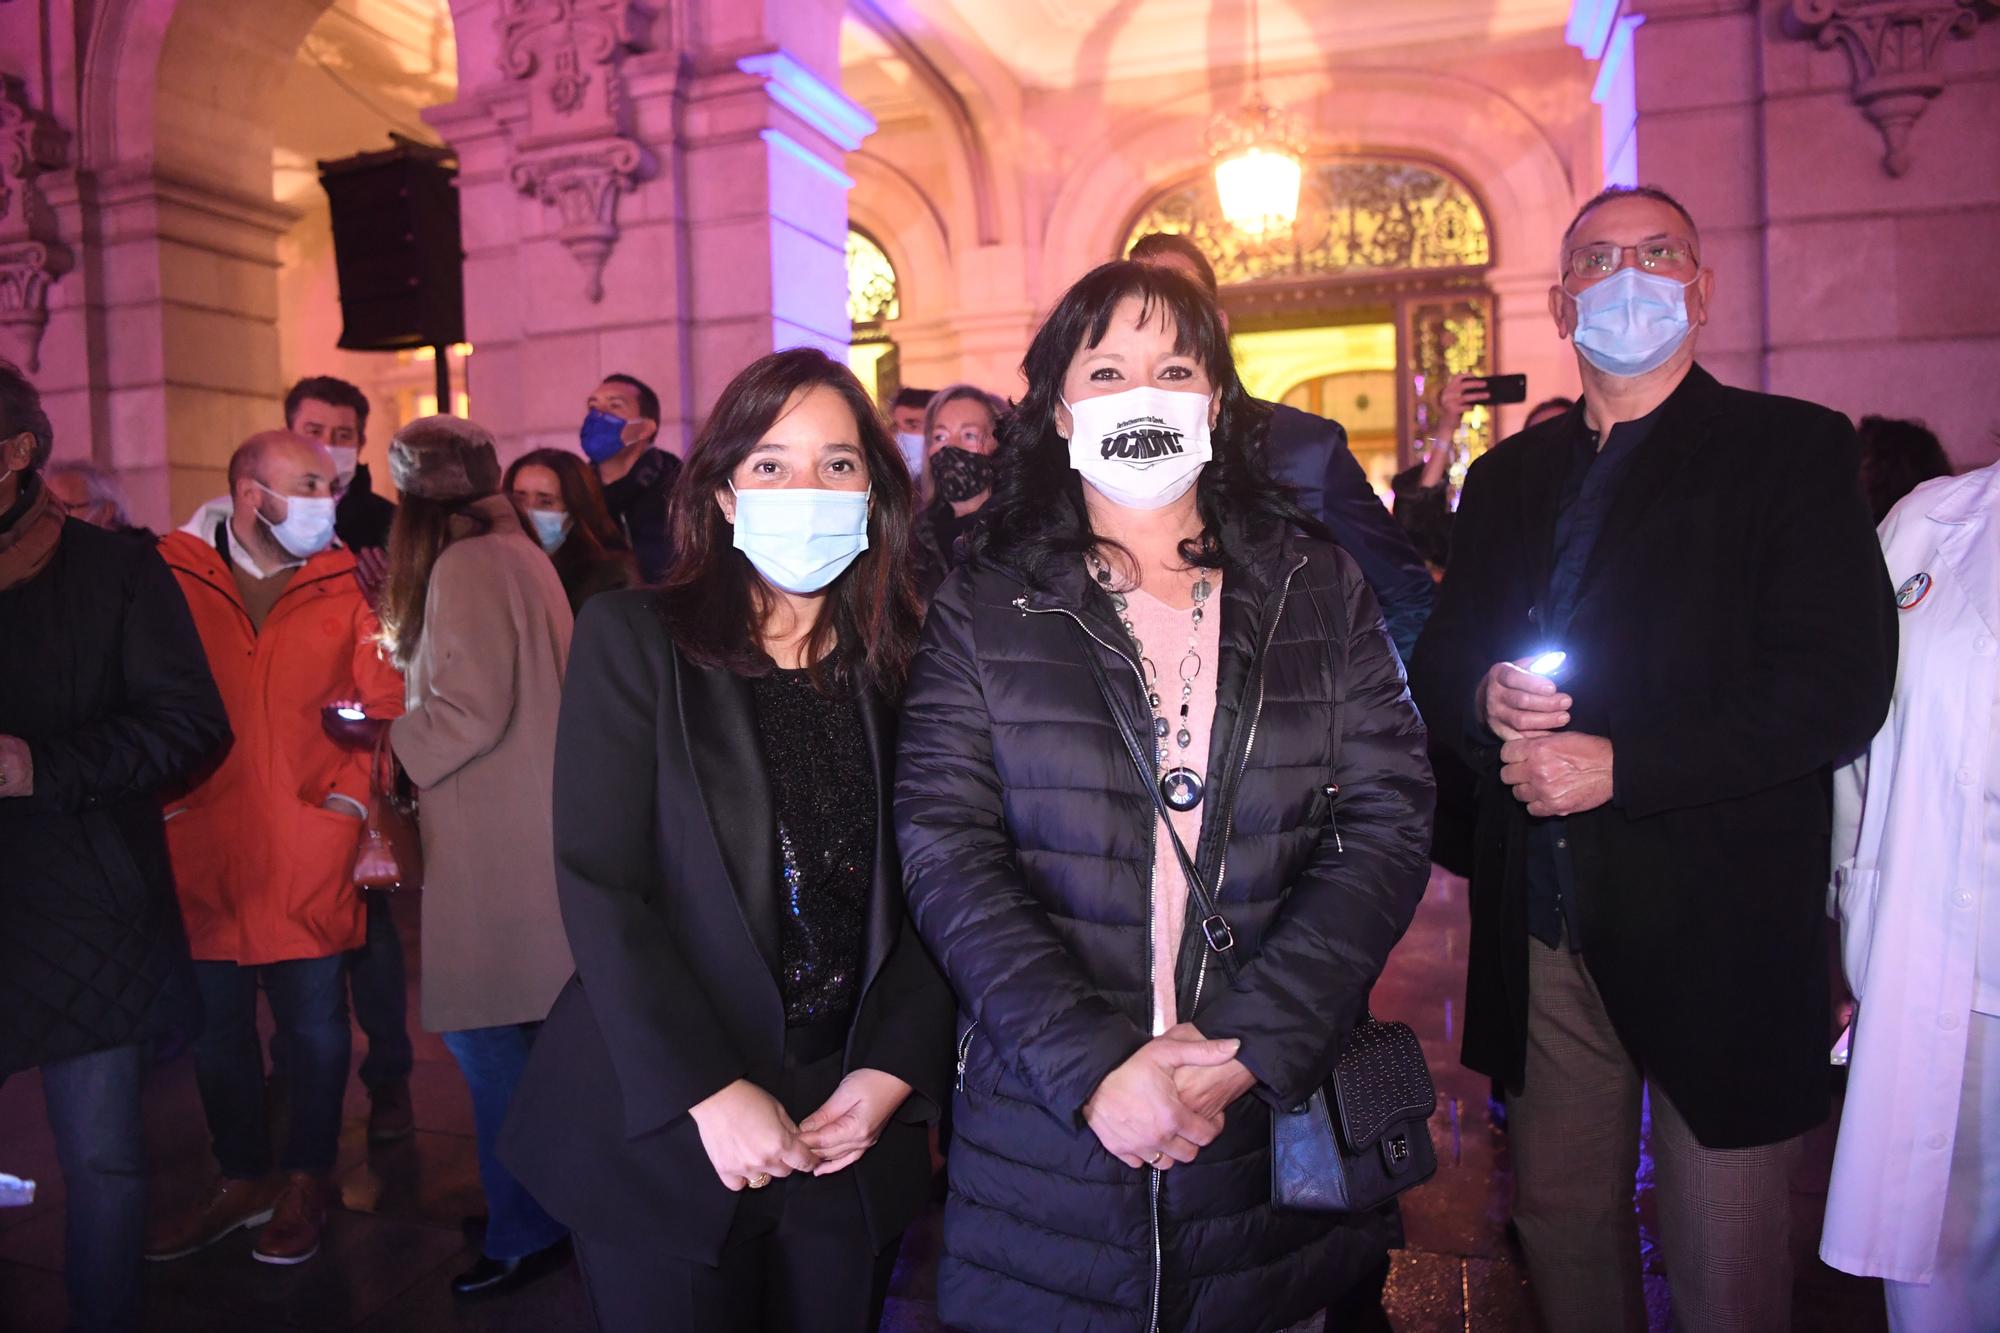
[392, 1249]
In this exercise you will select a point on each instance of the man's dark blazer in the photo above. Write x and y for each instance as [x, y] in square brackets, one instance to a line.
[667, 870]
[1310, 455]
[1735, 638]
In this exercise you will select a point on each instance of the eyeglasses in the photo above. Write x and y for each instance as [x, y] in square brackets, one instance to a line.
[1670, 257]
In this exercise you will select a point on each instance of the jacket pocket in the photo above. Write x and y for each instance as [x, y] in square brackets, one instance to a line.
[1855, 889]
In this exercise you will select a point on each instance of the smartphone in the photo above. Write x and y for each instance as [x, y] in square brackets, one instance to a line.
[1549, 664]
[1505, 388]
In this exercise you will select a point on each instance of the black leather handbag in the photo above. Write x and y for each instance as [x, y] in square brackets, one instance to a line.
[1364, 1137]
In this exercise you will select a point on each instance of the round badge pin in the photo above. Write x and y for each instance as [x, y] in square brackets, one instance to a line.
[1914, 590]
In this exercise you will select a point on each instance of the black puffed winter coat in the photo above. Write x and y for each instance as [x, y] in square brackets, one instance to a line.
[1027, 842]
[105, 678]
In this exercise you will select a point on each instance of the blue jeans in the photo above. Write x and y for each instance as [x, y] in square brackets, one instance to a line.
[381, 1002]
[492, 1060]
[93, 1108]
[309, 1003]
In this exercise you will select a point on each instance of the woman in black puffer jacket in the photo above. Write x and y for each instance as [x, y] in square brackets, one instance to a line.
[1110, 1167]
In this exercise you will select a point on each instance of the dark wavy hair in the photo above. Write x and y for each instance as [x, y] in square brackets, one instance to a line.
[593, 533]
[713, 600]
[1037, 520]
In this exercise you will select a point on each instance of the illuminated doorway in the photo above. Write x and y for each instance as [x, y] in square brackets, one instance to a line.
[1374, 298]
[874, 303]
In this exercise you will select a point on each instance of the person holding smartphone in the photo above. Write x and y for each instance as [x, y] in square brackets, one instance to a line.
[1650, 855]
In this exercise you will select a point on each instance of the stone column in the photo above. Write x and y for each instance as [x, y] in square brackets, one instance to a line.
[636, 200]
[1837, 154]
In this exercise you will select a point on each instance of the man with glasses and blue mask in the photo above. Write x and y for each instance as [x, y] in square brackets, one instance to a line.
[1651, 854]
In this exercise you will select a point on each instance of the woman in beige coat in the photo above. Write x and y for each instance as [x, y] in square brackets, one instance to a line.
[477, 619]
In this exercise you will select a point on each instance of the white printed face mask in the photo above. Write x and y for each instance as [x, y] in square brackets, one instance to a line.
[1142, 448]
[800, 539]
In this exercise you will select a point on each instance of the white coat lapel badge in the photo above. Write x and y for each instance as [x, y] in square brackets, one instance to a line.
[1914, 590]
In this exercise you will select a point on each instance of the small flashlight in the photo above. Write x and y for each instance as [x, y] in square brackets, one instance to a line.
[1547, 664]
[349, 713]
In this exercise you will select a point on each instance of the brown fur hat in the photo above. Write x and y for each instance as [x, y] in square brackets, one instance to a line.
[444, 458]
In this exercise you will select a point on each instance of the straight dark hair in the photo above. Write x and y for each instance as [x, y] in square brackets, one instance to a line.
[1037, 522]
[713, 600]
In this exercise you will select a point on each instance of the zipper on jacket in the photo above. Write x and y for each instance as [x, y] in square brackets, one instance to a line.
[1152, 953]
[964, 1050]
[1242, 767]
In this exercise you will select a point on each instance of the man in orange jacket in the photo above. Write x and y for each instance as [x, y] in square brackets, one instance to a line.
[262, 845]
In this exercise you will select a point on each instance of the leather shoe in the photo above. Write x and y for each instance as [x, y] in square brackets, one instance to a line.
[496, 1277]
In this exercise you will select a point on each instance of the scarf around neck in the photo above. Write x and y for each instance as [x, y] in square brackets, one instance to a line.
[27, 547]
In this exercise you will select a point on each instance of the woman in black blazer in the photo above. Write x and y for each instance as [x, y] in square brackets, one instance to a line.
[728, 1103]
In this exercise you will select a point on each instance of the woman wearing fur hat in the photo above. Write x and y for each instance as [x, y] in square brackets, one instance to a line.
[477, 619]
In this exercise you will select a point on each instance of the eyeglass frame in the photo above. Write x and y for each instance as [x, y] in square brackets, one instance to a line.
[1569, 258]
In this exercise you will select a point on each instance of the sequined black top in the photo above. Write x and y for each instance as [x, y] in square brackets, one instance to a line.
[823, 790]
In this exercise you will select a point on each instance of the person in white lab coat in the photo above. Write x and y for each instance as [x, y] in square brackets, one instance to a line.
[1915, 1197]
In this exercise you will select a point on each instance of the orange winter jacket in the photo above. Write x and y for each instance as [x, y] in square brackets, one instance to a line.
[261, 866]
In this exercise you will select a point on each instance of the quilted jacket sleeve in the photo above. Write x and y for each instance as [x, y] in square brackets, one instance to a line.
[169, 722]
[972, 905]
[1295, 1002]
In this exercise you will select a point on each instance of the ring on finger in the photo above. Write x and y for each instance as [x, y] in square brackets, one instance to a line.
[759, 1181]
[1154, 1160]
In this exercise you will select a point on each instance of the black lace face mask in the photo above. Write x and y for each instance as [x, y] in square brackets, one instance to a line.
[961, 474]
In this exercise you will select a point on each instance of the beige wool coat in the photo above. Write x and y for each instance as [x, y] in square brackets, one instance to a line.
[479, 740]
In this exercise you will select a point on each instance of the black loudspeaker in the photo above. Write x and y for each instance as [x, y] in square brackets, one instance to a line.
[396, 247]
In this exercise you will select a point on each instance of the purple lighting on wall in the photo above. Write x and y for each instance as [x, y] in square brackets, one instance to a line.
[1596, 30]
[810, 98]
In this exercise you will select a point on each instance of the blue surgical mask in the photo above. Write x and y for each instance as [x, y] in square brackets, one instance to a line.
[551, 527]
[1632, 322]
[307, 528]
[801, 540]
[912, 447]
[602, 435]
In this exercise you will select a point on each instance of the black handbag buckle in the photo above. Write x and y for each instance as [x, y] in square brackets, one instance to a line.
[1218, 934]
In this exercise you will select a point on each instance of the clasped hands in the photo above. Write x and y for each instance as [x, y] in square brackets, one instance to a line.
[751, 1141]
[1166, 1102]
[1551, 771]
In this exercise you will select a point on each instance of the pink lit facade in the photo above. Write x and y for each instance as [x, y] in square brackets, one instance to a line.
[667, 189]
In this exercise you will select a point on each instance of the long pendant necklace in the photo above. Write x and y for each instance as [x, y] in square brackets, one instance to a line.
[1181, 787]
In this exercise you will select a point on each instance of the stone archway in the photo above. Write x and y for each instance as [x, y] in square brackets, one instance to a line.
[656, 189]
[1501, 153]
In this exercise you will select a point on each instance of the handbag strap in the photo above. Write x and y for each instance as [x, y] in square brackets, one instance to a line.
[1214, 926]
[382, 766]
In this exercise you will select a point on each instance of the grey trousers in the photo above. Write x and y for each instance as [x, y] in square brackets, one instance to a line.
[1725, 1214]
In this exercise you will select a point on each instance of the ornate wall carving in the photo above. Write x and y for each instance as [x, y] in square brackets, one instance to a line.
[1892, 46]
[574, 156]
[1354, 217]
[31, 144]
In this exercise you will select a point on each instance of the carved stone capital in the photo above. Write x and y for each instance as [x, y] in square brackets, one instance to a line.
[1892, 46]
[558, 42]
[583, 183]
[26, 269]
[30, 144]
